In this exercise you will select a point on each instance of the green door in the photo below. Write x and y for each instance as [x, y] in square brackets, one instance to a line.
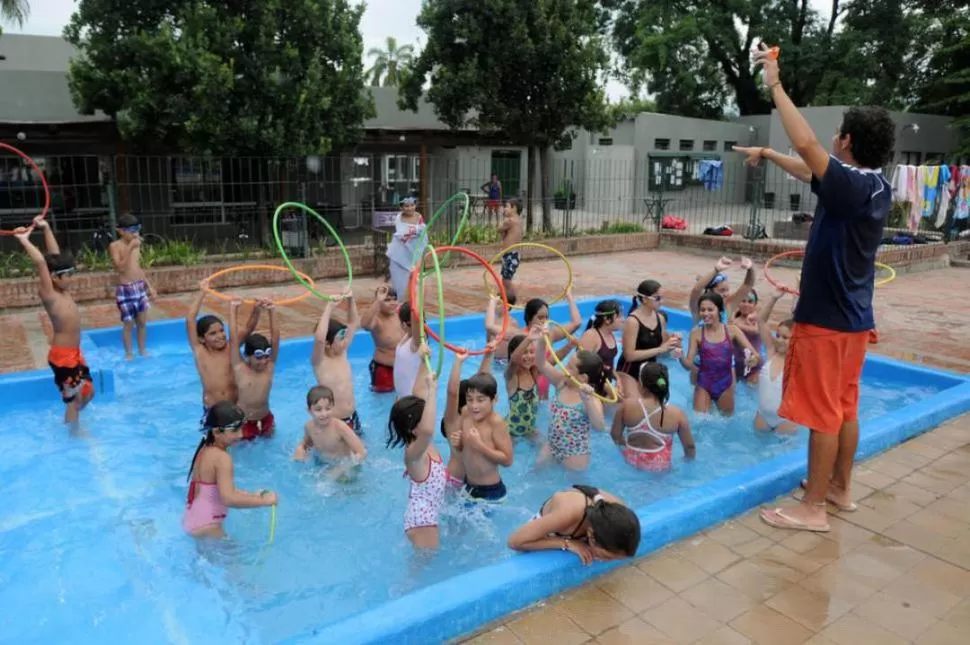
[507, 164]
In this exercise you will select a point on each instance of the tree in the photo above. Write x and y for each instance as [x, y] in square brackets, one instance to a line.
[14, 12]
[528, 69]
[267, 77]
[389, 62]
[946, 88]
[629, 108]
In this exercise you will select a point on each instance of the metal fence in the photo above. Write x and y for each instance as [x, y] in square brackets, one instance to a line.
[227, 204]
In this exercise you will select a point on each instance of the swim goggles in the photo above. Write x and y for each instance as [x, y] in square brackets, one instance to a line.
[716, 280]
[230, 427]
[64, 273]
[263, 353]
[132, 229]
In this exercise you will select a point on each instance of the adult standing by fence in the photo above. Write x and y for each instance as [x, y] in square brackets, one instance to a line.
[406, 245]
[834, 317]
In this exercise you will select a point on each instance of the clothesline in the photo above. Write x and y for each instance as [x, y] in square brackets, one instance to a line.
[933, 192]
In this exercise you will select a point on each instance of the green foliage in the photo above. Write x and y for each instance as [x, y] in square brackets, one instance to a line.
[218, 76]
[14, 12]
[15, 264]
[529, 69]
[389, 63]
[629, 108]
[615, 228]
[946, 86]
[172, 253]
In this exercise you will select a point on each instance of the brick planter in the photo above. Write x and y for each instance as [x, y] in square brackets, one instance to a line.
[18, 293]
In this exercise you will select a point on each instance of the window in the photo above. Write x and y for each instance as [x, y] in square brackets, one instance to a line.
[686, 145]
[75, 184]
[934, 158]
[729, 146]
[911, 157]
[710, 146]
[197, 191]
[606, 142]
[661, 144]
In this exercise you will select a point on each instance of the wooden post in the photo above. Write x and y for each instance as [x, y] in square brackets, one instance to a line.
[422, 180]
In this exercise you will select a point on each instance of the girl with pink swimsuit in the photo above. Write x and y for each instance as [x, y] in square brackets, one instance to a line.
[212, 490]
[645, 426]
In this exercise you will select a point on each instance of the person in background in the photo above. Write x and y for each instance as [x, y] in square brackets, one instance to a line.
[493, 190]
[510, 230]
[134, 292]
[407, 244]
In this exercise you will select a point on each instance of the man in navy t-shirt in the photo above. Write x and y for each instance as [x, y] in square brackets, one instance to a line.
[833, 318]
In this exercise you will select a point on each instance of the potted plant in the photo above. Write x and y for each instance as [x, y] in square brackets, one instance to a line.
[564, 198]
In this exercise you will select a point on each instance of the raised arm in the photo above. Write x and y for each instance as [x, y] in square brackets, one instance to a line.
[794, 166]
[454, 388]
[575, 320]
[239, 335]
[723, 264]
[234, 358]
[492, 326]
[193, 315]
[424, 432]
[320, 333]
[736, 298]
[555, 376]
[50, 242]
[765, 315]
[274, 330]
[45, 285]
[369, 318]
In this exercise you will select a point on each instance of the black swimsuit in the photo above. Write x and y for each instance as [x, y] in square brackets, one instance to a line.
[592, 496]
[646, 339]
[608, 354]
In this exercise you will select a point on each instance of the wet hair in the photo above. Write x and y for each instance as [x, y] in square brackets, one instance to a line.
[254, 342]
[319, 393]
[511, 298]
[224, 414]
[516, 203]
[404, 313]
[788, 322]
[590, 365]
[645, 289]
[203, 324]
[128, 220]
[615, 527]
[462, 402]
[63, 261]
[333, 329]
[515, 341]
[605, 313]
[873, 135]
[655, 379]
[403, 419]
[484, 384]
[391, 293]
[714, 298]
[511, 367]
[716, 280]
[532, 309]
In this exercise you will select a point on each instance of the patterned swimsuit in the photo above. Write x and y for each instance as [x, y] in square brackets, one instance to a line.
[523, 410]
[426, 496]
[569, 432]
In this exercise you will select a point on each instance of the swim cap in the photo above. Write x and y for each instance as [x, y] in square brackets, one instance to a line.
[224, 414]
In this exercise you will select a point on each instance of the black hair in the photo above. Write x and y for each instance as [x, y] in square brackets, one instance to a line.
[517, 203]
[615, 527]
[788, 322]
[590, 365]
[128, 220]
[333, 329]
[605, 313]
[391, 293]
[655, 379]
[203, 324]
[714, 298]
[645, 289]
[404, 313]
[224, 414]
[404, 418]
[873, 135]
[511, 298]
[63, 261]
[532, 309]
[462, 402]
[483, 383]
[514, 343]
[254, 342]
[511, 368]
[319, 393]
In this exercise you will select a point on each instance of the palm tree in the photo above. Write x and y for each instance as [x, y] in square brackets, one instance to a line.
[388, 62]
[14, 11]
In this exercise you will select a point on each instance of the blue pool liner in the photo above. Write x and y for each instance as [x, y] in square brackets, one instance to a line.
[466, 602]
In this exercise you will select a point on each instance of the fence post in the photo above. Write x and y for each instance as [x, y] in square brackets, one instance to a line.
[753, 229]
[112, 198]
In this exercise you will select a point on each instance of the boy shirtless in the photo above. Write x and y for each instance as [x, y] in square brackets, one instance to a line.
[511, 231]
[330, 364]
[485, 443]
[134, 292]
[330, 437]
[382, 322]
[54, 270]
[210, 348]
[254, 373]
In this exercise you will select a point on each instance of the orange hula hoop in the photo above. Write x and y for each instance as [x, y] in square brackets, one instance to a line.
[43, 181]
[256, 267]
[488, 267]
[772, 282]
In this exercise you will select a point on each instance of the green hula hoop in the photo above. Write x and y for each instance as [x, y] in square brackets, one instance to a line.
[441, 308]
[286, 259]
[426, 233]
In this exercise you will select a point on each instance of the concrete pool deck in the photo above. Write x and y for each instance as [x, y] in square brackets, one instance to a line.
[897, 571]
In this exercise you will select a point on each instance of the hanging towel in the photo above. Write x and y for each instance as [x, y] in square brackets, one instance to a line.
[901, 183]
[962, 209]
[916, 203]
[712, 173]
[931, 189]
[946, 194]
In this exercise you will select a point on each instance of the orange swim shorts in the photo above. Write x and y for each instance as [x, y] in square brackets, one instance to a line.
[820, 388]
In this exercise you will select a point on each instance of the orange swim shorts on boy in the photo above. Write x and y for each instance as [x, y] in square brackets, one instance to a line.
[820, 387]
[71, 374]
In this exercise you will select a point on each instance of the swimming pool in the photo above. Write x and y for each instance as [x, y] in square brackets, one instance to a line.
[92, 547]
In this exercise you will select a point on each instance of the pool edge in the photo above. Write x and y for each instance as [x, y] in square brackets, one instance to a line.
[459, 606]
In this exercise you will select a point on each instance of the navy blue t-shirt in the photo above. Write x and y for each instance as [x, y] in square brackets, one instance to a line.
[839, 267]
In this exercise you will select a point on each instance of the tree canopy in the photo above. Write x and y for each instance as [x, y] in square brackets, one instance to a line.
[531, 69]
[388, 62]
[13, 11]
[260, 77]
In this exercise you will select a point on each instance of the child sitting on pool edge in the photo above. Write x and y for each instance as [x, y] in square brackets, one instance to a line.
[212, 487]
[329, 436]
[254, 373]
[134, 293]
[332, 340]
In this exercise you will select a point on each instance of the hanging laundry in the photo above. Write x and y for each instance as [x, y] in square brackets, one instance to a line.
[917, 182]
[931, 185]
[902, 179]
[961, 210]
[946, 194]
[712, 173]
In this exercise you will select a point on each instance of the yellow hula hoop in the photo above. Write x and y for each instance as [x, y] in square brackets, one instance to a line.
[534, 245]
[886, 280]
[555, 357]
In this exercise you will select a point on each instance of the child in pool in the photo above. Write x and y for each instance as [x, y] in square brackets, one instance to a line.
[134, 292]
[644, 427]
[331, 366]
[713, 342]
[254, 373]
[598, 337]
[212, 488]
[210, 349]
[510, 231]
[455, 405]
[645, 336]
[589, 522]
[411, 424]
[407, 361]
[385, 327]
[521, 384]
[746, 319]
[536, 313]
[493, 326]
[574, 409]
[716, 281]
[72, 377]
[331, 438]
[485, 441]
[407, 244]
[773, 371]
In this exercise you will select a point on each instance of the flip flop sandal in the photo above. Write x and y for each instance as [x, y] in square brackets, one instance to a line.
[778, 519]
[851, 507]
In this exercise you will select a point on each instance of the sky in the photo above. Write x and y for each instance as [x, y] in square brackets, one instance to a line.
[382, 18]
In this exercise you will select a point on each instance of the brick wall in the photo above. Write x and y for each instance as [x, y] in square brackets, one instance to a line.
[22, 292]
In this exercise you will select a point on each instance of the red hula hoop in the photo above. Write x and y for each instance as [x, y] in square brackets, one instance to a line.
[43, 181]
[413, 292]
[778, 285]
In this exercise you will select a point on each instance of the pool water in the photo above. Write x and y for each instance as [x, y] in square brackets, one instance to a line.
[91, 539]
